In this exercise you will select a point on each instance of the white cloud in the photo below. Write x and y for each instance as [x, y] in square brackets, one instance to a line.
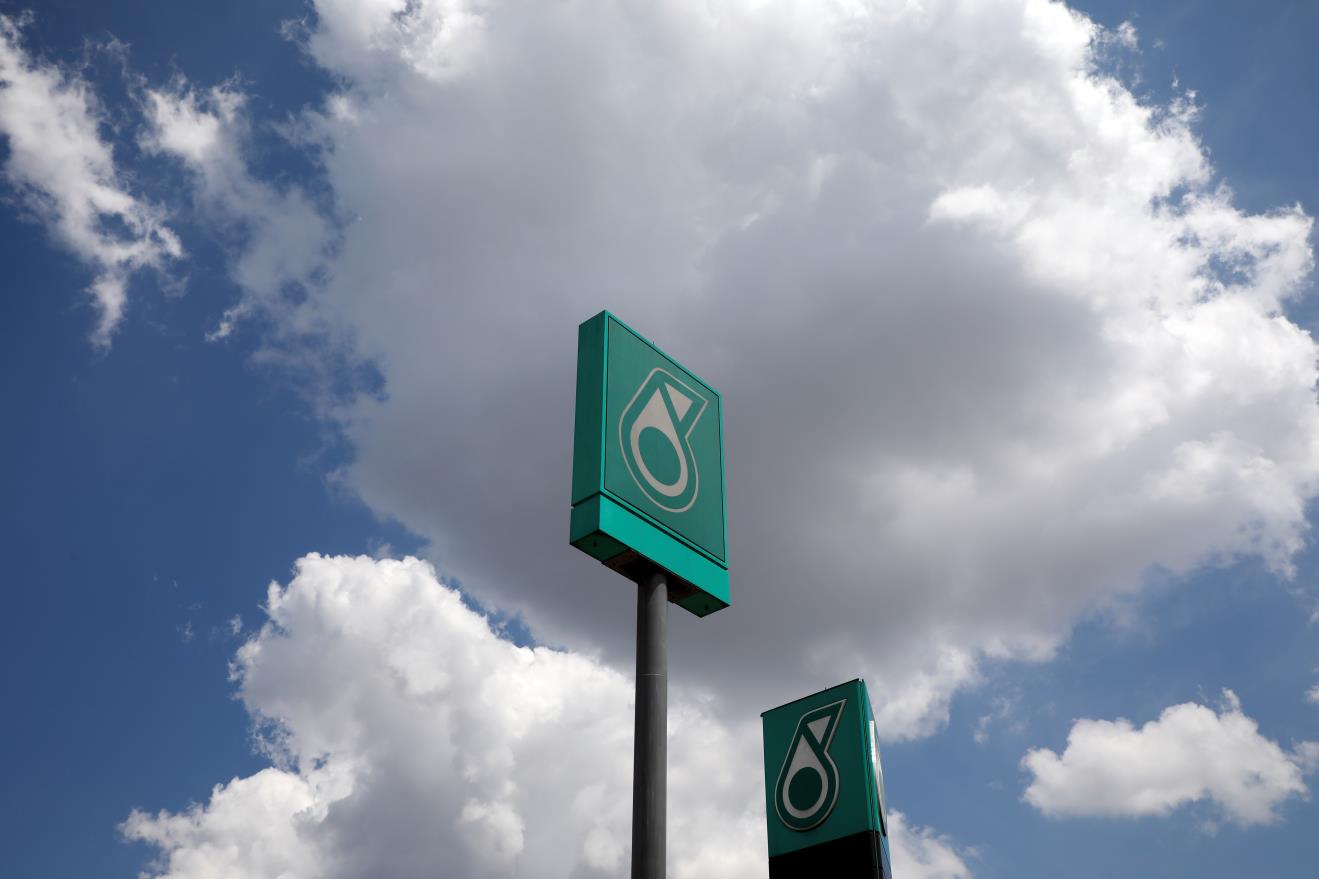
[282, 236]
[250, 827]
[994, 341]
[1005, 712]
[1312, 694]
[1307, 756]
[1191, 753]
[920, 853]
[65, 173]
[437, 39]
[407, 735]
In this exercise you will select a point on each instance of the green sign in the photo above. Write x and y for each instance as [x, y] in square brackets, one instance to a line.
[648, 465]
[823, 781]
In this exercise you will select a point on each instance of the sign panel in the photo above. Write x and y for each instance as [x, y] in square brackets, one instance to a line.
[824, 787]
[648, 465]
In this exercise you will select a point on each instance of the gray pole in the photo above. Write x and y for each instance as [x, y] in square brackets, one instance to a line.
[650, 743]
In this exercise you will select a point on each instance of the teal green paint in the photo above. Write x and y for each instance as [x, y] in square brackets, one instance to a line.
[823, 778]
[588, 445]
[641, 386]
[588, 532]
[723, 479]
[603, 529]
[648, 464]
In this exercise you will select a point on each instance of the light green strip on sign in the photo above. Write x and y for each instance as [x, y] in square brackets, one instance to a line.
[602, 528]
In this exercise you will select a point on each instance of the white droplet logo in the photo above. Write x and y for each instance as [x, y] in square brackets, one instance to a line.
[804, 760]
[656, 423]
[656, 415]
[807, 787]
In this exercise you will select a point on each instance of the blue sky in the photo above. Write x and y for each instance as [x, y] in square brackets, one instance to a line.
[367, 397]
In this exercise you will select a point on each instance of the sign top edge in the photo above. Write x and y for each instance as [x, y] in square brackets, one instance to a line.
[813, 695]
[610, 316]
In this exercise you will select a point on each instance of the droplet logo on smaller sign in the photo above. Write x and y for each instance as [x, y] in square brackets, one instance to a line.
[807, 788]
[654, 432]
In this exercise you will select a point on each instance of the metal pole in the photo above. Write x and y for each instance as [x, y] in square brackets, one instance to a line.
[650, 744]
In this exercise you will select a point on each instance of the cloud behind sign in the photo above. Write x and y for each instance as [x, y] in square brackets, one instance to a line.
[994, 340]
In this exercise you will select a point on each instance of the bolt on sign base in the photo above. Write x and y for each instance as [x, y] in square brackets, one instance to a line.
[824, 787]
[648, 466]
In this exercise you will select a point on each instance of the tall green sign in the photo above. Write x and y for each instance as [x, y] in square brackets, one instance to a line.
[824, 787]
[648, 466]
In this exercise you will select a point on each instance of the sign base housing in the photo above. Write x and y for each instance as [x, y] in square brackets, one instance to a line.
[859, 856]
[608, 531]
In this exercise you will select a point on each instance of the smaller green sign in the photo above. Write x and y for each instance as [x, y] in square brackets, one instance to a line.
[823, 780]
[648, 466]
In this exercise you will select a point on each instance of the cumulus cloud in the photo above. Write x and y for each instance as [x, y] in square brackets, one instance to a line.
[1191, 753]
[64, 172]
[921, 853]
[406, 735]
[1312, 694]
[994, 340]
